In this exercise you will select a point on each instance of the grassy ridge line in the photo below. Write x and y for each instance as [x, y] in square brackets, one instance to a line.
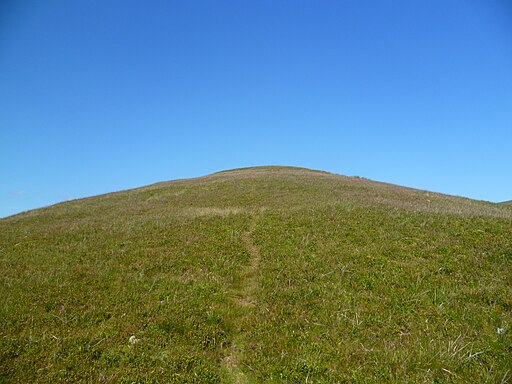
[375, 192]
[357, 189]
[271, 186]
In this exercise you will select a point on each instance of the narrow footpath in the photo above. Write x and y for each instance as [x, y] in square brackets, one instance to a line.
[245, 298]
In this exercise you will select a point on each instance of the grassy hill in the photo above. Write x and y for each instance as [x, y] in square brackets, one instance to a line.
[267, 274]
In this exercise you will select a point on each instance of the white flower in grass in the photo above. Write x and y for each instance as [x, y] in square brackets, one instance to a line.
[499, 331]
[133, 339]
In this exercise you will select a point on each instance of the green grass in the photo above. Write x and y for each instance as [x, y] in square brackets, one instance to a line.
[268, 274]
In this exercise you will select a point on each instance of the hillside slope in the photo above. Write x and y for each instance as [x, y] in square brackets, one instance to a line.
[266, 274]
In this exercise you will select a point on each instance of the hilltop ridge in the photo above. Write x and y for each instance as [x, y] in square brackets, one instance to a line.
[307, 186]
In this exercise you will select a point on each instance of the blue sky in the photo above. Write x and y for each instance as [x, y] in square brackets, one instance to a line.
[99, 96]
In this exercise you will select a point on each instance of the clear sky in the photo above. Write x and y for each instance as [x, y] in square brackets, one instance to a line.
[98, 96]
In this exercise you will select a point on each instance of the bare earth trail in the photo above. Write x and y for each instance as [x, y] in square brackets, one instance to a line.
[245, 298]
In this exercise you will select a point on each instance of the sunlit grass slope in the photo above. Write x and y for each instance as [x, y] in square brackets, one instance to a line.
[267, 274]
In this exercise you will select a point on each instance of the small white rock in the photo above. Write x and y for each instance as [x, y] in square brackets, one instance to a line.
[133, 339]
[499, 331]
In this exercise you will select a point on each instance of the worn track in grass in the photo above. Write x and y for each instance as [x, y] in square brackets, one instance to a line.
[246, 298]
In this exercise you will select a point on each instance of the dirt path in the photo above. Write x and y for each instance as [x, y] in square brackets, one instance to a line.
[245, 298]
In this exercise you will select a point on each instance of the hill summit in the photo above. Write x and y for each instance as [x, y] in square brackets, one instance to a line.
[264, 274]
